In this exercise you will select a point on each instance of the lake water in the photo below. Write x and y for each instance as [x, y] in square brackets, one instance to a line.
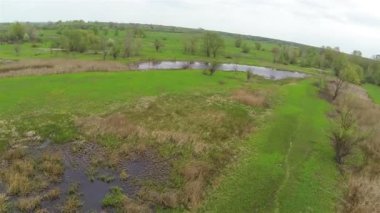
[267, 73]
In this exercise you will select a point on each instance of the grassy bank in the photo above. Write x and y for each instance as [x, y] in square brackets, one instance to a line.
[373, 92]
[289, 166]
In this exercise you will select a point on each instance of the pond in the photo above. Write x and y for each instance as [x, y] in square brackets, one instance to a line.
[267, 73]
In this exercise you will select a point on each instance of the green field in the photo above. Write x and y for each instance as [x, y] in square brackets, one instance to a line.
[170, 141]
[289, 166]
[86, 93]
[373, 92]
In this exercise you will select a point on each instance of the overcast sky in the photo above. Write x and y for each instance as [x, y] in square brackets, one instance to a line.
[348, 24]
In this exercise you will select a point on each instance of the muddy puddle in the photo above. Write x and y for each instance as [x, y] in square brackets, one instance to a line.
[267, 73]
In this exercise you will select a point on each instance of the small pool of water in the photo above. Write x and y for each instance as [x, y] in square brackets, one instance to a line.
[267, 73]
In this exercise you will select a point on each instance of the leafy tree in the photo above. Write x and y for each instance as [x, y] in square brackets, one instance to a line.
[212, 44]
[16, 32]
[74, 40]
[349, 73]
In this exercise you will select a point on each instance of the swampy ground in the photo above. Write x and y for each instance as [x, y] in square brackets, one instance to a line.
[164, 141]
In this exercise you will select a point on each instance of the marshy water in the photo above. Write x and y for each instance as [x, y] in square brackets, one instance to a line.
[267, 73]
[93, 183]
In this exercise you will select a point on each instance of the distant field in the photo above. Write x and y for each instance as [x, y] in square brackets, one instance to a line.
[172, 50]
[373, 92]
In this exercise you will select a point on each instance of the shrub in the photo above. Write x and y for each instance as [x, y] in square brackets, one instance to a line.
[114, 198]
[245, 48]
[345, 135]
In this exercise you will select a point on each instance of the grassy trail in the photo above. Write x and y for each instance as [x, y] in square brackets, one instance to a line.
[289, 166]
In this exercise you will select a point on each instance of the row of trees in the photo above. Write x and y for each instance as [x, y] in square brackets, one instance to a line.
[18, 33]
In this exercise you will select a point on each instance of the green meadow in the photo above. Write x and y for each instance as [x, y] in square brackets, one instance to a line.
[164, 140]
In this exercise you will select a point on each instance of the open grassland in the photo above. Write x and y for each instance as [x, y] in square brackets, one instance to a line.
[182, 126]
[373, 92]
[169, 134]
[289, 164]
[96, 92]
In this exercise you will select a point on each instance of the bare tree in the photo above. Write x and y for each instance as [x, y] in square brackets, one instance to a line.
[190, 45]
[212, 44]
[132, 45]
[158, 44]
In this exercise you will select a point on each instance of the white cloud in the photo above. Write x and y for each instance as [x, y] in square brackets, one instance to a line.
[346, 23]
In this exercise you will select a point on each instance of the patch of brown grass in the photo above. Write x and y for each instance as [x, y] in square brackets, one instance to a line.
[194, 192]
[58, 66]
[52, 166]
[24, 167]
[3, 203]
[115, 124]
[52, 194]
[195, 174]
[72, 204]
[194, 170]
[363, 194]
[14, 154]
[176, 137]
[169, 199]
[28, 204]
[130, 206]
[18, 184]
[255, 99]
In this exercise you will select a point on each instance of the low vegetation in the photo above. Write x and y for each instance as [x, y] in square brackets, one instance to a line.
[293, 150]
[198, 141]
[358, 151]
